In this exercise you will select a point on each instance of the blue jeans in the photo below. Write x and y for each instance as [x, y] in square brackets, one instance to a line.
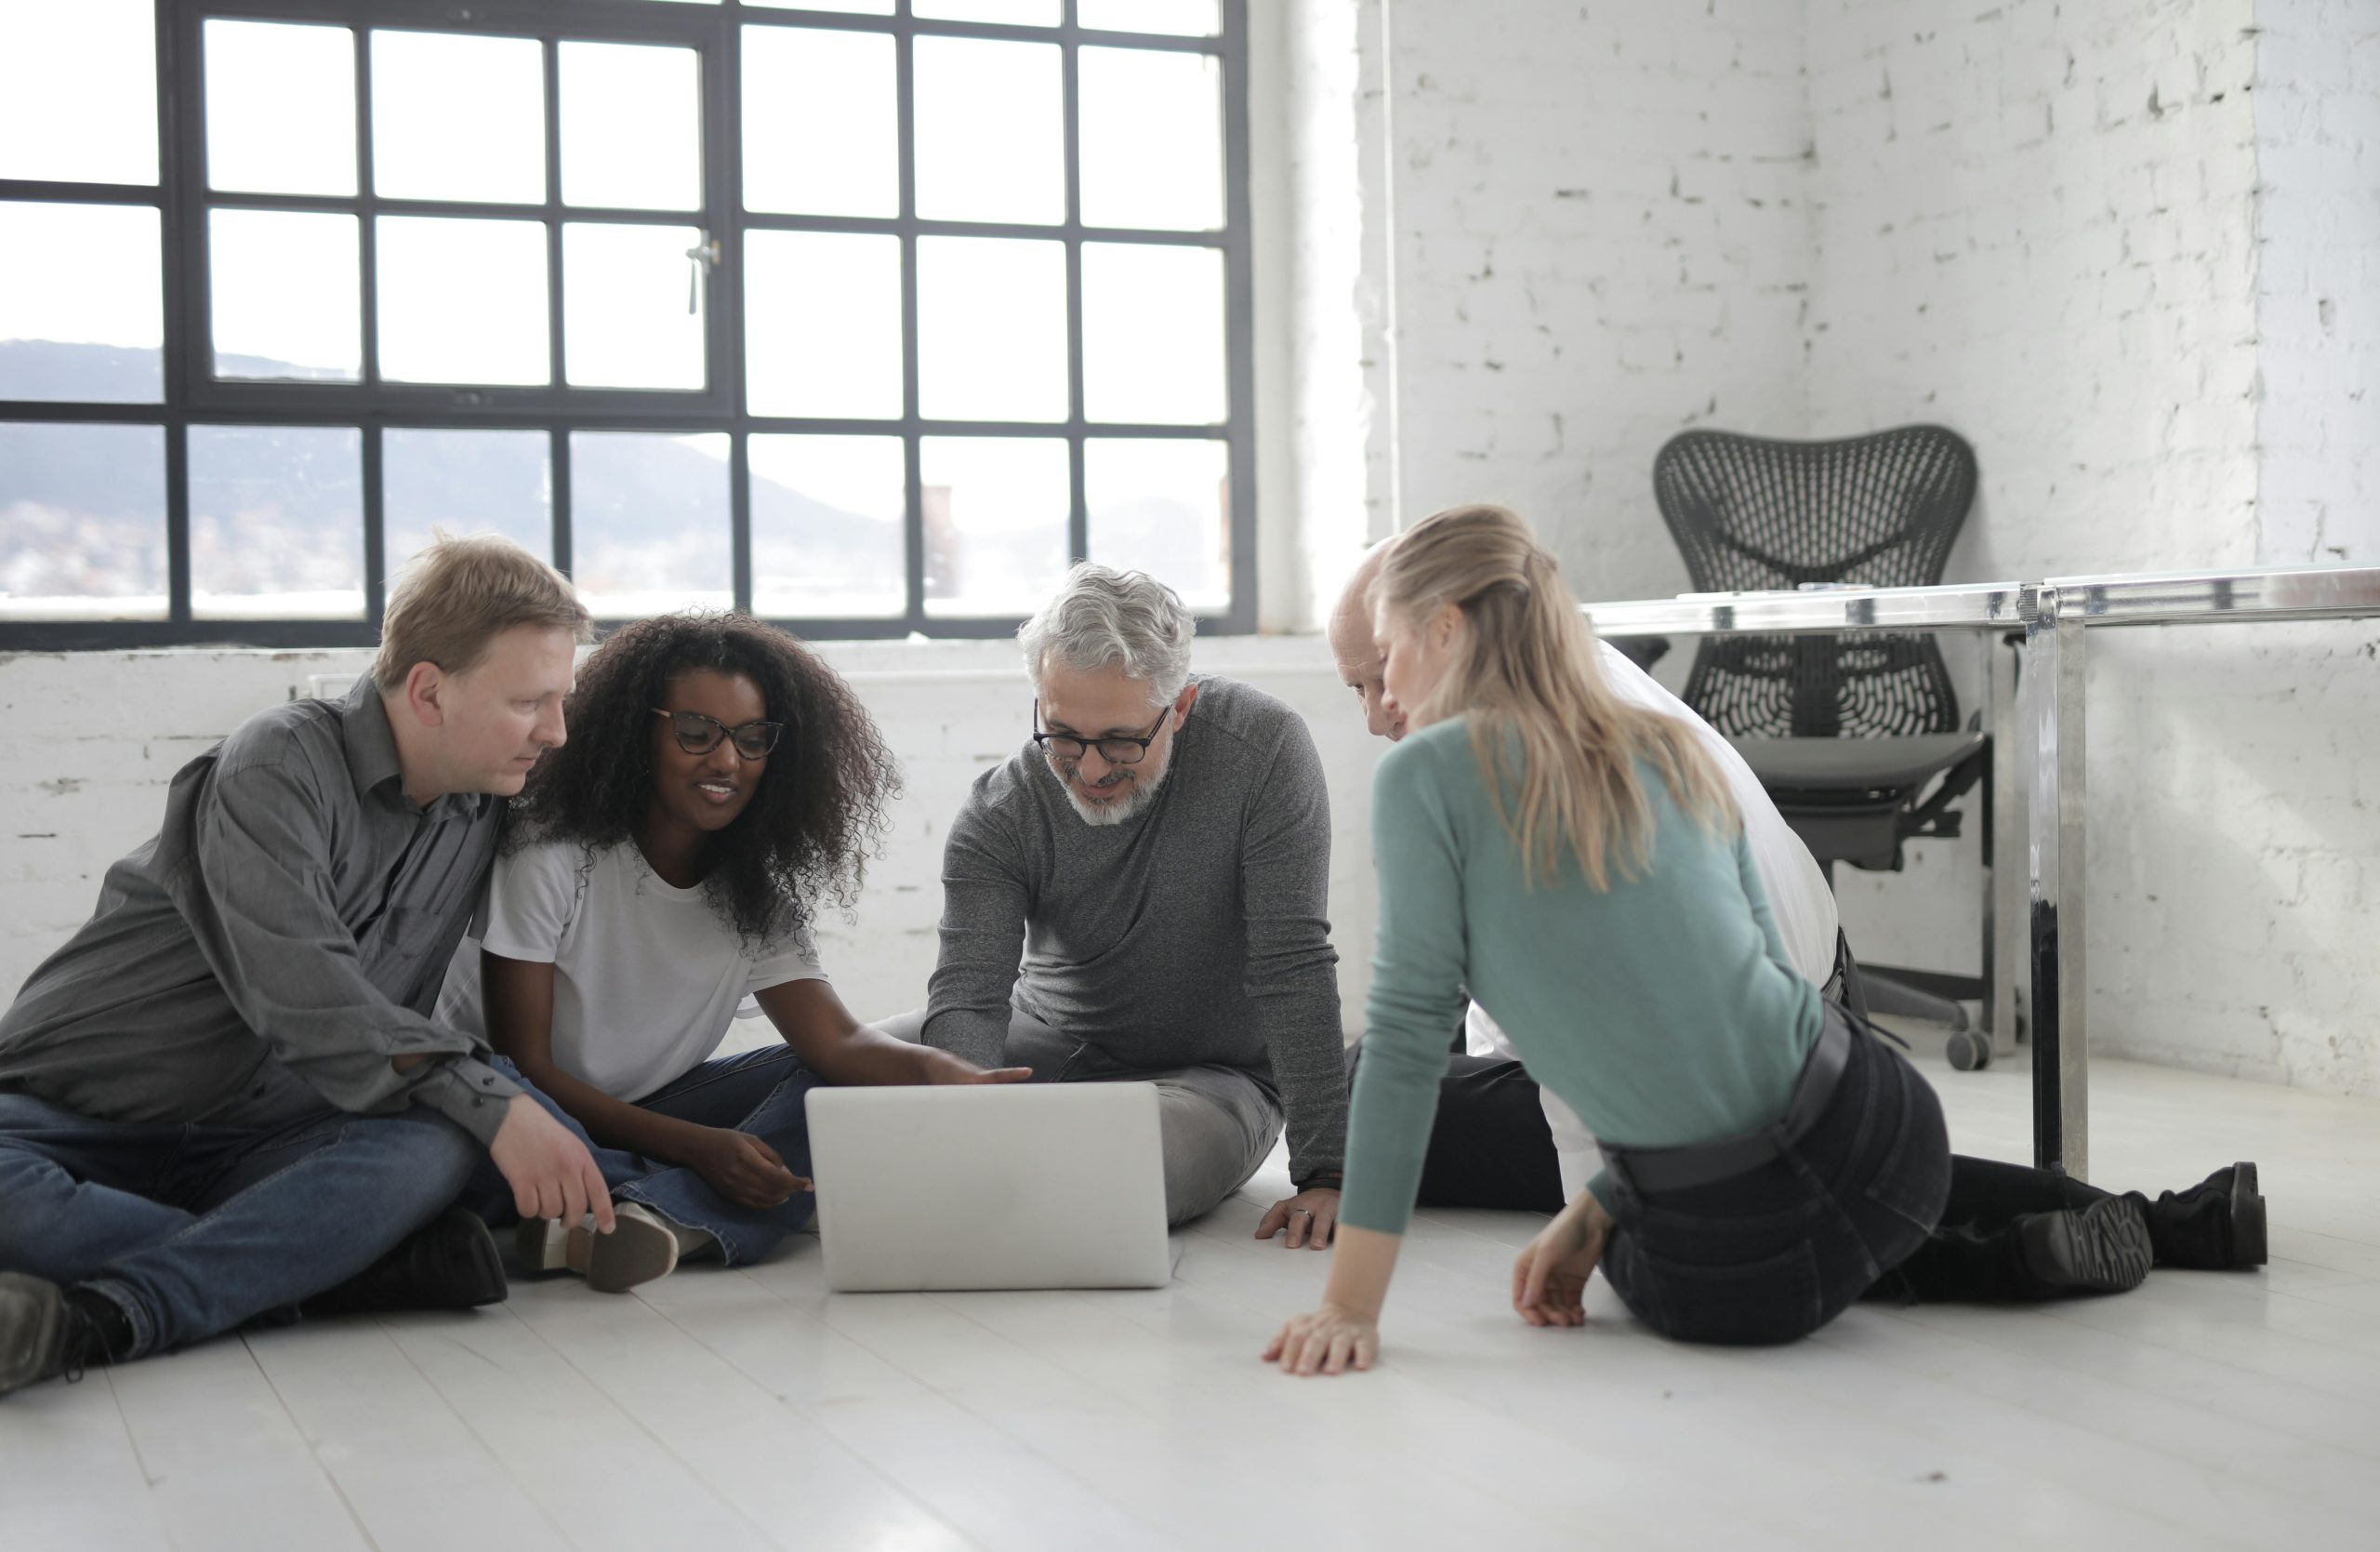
[757, 1092]
[1773, 1253]
[195, 1227]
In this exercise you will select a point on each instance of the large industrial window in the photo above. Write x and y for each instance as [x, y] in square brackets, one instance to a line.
[869, 317]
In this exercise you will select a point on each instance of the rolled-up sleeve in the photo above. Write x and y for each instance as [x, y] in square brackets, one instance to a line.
[257, 895]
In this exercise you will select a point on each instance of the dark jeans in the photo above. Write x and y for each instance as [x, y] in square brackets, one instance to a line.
[193, 1229]
[757, 1092]
[1774, 1252]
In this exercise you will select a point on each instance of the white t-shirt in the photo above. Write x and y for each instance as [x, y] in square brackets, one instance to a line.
[647, 976]
[1798, 898]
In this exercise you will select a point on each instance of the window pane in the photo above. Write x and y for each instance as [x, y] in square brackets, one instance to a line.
[78, 91]
[280, 108]
[455, 117]
[276, 521]
[463, 301]
[1153, 334]
[855, 7]
[1151, 140]
[1163, 506]
[632, 127]
[625, 295]
[285, 295]
[821, 123]
[991, 133]
[1023, 13]
[82, 307]
[649, 522]
[996, 521]
[822, 319]
[82, 521]
[826, 537]
[991, 329]
[1192, 19]
[465, 483]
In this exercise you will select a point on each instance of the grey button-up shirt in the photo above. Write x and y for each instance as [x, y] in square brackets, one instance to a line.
[287, 931]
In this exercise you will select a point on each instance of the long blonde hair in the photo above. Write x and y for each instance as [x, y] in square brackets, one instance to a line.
[1526, 672]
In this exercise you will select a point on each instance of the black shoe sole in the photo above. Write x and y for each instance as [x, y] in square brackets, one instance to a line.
[2103, 1249]
[2249, 1242]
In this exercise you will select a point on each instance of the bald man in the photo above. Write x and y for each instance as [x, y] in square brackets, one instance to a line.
[1499, 1141]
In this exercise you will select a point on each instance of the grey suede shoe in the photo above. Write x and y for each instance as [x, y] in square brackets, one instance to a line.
[642, 1247]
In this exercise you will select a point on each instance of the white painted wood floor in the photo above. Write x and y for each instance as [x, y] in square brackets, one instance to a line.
[725, 1410]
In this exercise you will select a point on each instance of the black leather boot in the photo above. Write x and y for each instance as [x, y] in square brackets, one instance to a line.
[449, 1263]
[2217, 1224]
[47, 1330]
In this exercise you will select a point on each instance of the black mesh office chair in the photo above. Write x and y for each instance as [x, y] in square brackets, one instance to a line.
[1858, 738]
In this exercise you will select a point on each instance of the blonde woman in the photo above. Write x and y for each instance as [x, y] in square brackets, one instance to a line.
[1574, 859]
[1576, 863]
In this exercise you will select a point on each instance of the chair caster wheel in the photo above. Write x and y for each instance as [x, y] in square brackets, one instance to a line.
[1970, 1050]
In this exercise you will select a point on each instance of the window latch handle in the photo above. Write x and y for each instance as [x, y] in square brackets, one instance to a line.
[704, 257]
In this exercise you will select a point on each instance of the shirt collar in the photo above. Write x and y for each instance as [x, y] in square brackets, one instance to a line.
[372, 754]
[371, 746]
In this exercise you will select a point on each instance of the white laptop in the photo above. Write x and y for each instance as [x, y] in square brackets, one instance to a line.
[989, 1186]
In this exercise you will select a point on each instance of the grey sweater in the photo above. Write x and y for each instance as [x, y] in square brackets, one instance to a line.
[1196, 932]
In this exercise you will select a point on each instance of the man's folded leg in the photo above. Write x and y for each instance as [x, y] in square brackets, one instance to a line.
[288, 1214]
[70, 1198]
[1216, 1124]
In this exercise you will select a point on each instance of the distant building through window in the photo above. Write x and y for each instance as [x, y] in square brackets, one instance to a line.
[869, 316]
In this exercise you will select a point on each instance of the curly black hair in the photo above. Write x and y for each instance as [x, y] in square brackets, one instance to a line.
[819, 811]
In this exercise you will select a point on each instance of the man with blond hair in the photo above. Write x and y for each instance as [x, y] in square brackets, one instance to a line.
[1142, 893]
[223, 1099]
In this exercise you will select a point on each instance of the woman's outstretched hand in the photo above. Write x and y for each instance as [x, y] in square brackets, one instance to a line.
[742, 1168]
[958, 1069]
[1329, 1340]
[1550, 1276]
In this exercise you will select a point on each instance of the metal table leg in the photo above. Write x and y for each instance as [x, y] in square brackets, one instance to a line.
[2003, 920]
[2051, 707]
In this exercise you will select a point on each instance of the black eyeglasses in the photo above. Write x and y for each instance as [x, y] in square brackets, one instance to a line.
[699, 735]
[1116, 752]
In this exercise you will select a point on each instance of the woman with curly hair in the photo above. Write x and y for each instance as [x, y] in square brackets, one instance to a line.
[720, 781]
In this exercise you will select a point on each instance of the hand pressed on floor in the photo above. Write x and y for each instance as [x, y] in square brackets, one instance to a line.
[1308, 1218]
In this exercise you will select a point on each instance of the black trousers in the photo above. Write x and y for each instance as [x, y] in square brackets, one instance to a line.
[1491, 1148]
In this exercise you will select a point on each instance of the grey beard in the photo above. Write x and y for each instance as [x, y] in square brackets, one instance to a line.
[1100, 815]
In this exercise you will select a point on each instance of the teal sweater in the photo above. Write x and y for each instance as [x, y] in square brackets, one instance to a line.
[1663, 1009]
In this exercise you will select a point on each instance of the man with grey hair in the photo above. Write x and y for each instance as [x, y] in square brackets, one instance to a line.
[1138, 893]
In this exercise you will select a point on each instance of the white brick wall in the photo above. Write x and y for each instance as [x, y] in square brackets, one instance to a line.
[99, 735]
[1600, 226]
[2318, 301]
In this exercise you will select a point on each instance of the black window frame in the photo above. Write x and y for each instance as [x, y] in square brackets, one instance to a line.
[193, 397]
